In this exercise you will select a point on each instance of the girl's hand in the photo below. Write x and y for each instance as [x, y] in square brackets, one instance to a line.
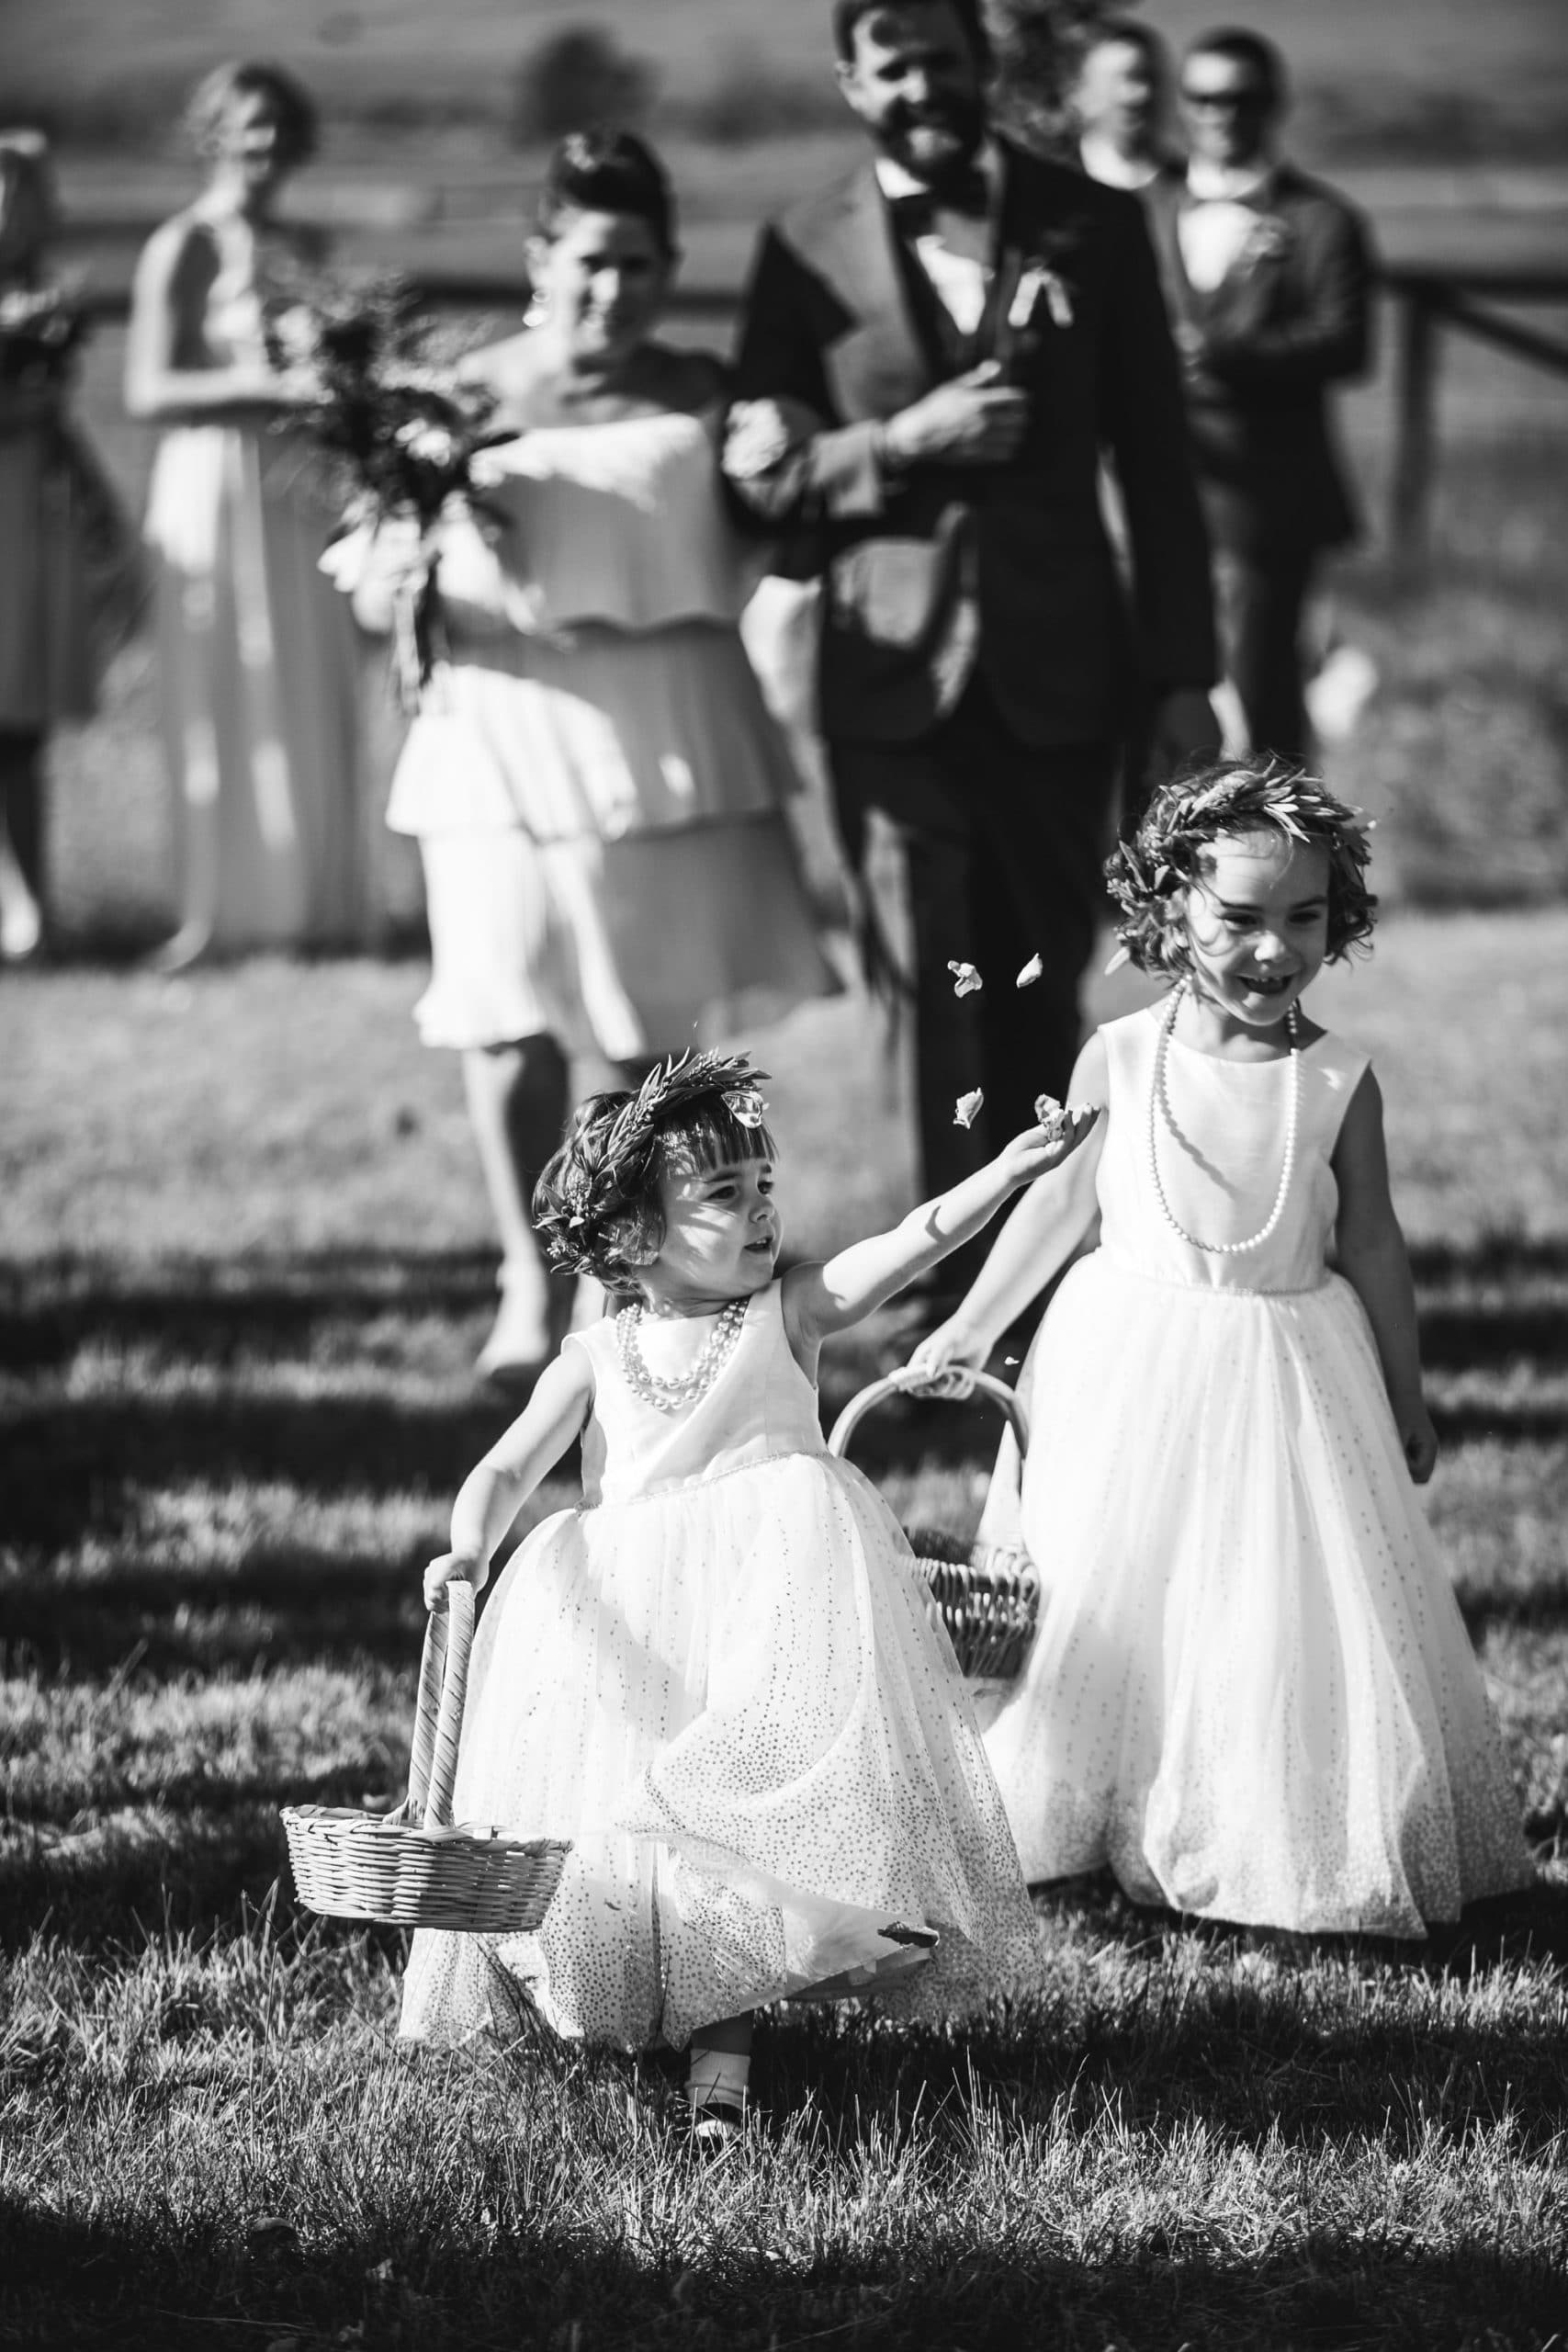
[469, 1566]
[1418, 1440]
[1040, 1149]
[955, 1346]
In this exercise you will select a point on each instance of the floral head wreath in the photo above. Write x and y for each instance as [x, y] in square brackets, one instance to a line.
[1148, 876]
[604, 1173]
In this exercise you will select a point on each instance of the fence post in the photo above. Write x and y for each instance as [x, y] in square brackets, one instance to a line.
[1416, 386]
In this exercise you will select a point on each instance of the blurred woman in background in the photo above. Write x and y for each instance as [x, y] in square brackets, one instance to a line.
[596, 787]
[67, 554]
[258, 660]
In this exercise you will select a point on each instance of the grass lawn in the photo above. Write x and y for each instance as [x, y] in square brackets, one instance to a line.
[245, 1270]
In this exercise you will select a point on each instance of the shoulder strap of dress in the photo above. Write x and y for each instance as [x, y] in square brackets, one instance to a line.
[597, 1343]
[1129, 1043]
[1341, 1067]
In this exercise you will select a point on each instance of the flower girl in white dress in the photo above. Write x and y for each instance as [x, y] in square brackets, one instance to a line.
[717, 1675]
[1252, 1692]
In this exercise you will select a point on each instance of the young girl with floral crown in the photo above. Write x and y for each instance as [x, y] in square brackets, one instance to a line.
[1252, 1692]
[716, 1676]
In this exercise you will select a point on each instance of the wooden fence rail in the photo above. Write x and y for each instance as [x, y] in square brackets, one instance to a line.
[1430, 298]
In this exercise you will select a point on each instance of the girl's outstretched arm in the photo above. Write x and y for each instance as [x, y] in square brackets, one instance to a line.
[1053, 1219]
[494, 1492]
[820, 1299]
[1370, 1250]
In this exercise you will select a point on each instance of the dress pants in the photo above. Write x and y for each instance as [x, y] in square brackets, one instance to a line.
[1003, 844]
[1261, 602]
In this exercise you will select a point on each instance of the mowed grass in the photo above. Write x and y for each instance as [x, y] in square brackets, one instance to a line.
[246, 1270]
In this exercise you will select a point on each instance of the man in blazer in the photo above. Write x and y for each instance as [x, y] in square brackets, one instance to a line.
[937, 348]
[1268, 274]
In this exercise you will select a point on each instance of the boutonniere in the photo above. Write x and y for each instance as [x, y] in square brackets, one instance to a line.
[1039, 288]
[1268, 239]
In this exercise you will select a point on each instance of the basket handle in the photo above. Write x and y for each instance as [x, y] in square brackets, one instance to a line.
[438, 1717]
[957, 1382]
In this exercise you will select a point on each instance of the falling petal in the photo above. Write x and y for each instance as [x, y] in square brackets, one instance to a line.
[966, 1110]
[966, 980]
[1029, 973]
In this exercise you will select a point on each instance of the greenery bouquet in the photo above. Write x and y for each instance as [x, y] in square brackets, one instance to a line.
[400, 429]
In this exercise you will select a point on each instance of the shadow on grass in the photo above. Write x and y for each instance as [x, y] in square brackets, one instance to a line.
[78, 2282]
[296, 1608]
[1531, 1924]
[205, 1311]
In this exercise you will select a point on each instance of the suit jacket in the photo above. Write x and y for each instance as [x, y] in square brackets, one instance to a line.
[842, 330]
[1292, 319]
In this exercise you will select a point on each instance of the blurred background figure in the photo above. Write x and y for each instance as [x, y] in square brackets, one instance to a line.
[597, 789]
[66, 550]
[258, 659]
[1269, 278]
[1120, 102]
[937, 346]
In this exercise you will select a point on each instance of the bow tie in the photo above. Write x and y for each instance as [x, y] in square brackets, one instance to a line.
[967, 192]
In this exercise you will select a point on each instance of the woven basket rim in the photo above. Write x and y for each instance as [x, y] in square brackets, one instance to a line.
[968, 1552]
[345, 1822]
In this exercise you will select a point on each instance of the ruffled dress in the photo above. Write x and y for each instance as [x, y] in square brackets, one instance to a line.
[258, 663]
[1252, 1693]
[717, 1677]
[598, 791]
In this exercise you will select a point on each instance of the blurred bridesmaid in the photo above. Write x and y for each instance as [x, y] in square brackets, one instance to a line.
[258, 657]
[596, 787]
[67, 552]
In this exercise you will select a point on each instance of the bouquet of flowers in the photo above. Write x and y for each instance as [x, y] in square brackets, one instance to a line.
[40, 329]
[400, 430]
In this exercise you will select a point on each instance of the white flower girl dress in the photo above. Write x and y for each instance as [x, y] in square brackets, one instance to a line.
[1252, 1692]
[718, 1678]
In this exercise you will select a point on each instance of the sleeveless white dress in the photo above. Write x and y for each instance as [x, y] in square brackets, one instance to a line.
[718, 1677]
[596, 785]
[258, 662]
[1252, 1692]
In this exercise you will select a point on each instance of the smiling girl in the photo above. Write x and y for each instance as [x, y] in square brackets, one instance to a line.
[1252, 1694]
[716, 1676]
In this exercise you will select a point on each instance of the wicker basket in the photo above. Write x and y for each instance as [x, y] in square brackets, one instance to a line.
[987, 1595]
[412, 1868]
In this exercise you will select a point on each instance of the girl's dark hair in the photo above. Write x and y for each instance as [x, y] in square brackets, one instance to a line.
[596, 1206]
[1149, 876]
[297, 121]
[607, 171]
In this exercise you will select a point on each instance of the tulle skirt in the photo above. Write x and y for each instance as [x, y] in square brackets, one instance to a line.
[1252, 1692]
[729, 1696]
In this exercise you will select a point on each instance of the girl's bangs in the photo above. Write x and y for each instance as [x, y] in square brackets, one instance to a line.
[710, 1136]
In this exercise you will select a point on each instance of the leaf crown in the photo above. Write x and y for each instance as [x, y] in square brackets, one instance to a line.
[596, 1205]
[1149, 875]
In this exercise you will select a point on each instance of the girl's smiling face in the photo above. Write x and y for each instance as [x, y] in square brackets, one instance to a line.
[721, 1235]
[1257, 924]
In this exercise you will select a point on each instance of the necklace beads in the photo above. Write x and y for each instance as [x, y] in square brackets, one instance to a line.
[674, 1395]
[1159, 1105]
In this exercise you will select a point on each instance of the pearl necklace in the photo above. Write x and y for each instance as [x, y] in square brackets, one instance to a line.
[673, 1396]
[1160, 1101]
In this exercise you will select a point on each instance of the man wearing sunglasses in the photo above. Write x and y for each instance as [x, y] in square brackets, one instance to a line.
[1267, 276]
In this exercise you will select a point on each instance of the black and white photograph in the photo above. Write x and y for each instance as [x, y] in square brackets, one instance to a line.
[784, 1175]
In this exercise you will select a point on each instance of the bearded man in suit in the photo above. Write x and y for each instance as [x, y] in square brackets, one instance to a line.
[937, 349]
[1269, 276]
